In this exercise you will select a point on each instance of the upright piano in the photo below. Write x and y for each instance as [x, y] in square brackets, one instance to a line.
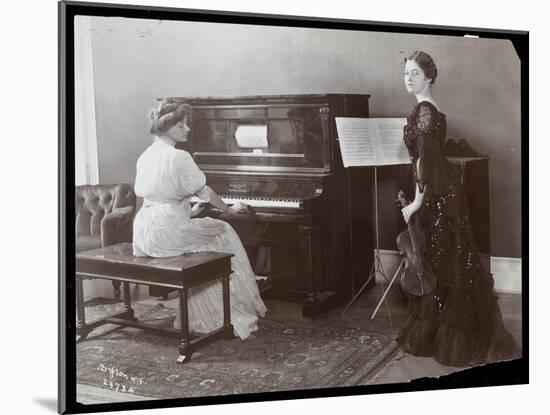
[310, 222]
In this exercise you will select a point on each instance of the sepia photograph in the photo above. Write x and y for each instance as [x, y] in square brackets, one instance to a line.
[272, 207]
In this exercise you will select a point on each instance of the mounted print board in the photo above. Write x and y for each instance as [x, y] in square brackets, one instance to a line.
[232, 239]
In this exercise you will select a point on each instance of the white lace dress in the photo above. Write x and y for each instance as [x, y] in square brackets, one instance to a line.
[167, 178]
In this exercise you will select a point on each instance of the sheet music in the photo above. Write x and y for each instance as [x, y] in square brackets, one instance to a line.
[372, 141]
[394, 150]
[359, 148]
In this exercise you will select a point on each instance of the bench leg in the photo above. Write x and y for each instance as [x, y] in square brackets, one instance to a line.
[81, 328]
[116, 289]
[128, 310]
[227, 326]
[184, 349]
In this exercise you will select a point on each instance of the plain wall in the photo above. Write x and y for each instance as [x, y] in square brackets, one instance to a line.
[136, 61]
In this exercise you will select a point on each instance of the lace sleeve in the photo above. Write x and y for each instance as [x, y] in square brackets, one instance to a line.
[189, 178]
[204, 194]
[432, 170]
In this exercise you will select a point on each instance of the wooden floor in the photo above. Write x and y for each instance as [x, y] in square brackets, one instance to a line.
[389, 319]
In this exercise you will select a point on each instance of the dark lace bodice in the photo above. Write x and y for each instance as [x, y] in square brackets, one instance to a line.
[424, 136]
[425, 119]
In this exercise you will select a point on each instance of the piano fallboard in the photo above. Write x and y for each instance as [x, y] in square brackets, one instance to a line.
[266, 186]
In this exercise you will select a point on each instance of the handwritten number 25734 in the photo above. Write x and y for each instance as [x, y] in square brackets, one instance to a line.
[118, 386]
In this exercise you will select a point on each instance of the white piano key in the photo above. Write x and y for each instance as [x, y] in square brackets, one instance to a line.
[256, 202]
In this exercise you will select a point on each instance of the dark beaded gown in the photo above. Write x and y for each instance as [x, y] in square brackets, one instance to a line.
[460, 321]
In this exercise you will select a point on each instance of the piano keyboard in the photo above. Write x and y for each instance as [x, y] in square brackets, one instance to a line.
[256, 201]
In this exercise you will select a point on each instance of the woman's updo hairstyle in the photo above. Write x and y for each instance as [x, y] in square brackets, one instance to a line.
[169, 112]
[425, 62]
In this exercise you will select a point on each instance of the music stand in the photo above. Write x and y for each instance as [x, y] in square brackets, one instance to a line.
[388, 289]
[377, 267]
[372, 142]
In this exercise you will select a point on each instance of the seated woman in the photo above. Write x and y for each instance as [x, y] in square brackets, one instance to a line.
[167, 178]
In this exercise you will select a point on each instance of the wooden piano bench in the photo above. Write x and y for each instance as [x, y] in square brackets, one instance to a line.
[116, 263]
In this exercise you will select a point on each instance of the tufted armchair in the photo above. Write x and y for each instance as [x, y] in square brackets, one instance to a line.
[104, 215]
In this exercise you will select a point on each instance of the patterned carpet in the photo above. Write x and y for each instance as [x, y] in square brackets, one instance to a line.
[281, 355]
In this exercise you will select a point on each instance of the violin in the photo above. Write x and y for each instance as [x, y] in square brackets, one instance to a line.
[417, 278]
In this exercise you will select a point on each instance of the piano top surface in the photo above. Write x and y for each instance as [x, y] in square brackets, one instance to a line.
[267, 98]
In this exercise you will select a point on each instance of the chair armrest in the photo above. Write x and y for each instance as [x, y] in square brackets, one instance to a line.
[116, 226]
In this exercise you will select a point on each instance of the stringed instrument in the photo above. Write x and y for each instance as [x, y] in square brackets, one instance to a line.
[417, 278]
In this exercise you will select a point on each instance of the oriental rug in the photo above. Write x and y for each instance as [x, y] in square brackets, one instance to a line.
[280, 356]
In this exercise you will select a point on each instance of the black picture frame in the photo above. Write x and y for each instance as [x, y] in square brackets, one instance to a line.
[502, 373]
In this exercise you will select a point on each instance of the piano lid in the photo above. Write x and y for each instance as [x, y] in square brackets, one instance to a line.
[261, 134]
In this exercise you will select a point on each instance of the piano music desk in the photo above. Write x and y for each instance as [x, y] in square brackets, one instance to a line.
[116, 263]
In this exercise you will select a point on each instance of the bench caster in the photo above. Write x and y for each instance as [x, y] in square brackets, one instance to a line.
[82, 332]
[80, 339]
[183, 358]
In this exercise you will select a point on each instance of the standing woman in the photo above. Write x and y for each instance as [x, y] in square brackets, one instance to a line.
[460, 321]
[167, 178]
